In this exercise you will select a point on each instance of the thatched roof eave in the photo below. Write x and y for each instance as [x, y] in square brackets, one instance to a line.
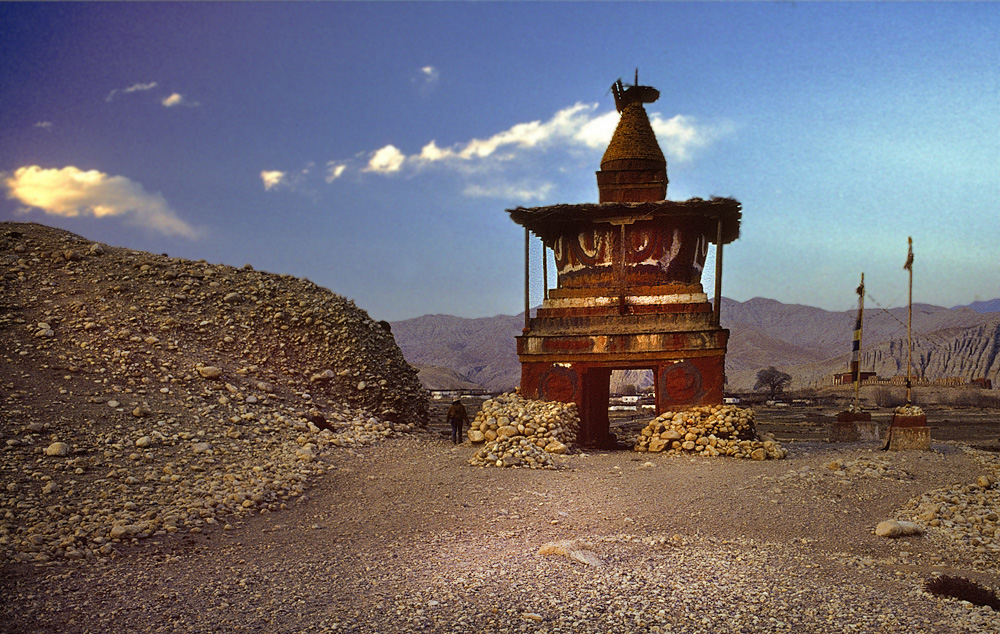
[551, 221]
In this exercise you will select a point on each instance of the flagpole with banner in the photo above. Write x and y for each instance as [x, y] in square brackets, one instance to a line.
[856, 347]
[909, 321]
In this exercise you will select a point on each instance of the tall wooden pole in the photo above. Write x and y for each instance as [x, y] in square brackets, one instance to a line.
[545, 272]
[861, 317]
[909, 322]
[717, 310]
[527, 305]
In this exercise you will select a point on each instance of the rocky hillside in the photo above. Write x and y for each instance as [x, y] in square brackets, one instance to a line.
[134, 382]
[813, 343]
[968, 353]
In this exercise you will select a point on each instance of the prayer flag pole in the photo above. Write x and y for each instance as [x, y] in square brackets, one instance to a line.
[856, 347]
[909, 321]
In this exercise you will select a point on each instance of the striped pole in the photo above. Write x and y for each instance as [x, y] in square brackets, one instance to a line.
[856, 346]
[909, 321]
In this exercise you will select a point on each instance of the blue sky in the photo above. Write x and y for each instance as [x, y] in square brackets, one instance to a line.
[374, 147]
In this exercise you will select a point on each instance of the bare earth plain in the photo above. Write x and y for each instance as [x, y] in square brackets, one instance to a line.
[404, 536]
[378, 526]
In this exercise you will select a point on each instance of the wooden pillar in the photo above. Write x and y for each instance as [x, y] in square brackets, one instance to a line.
[717, 310]
[545, 273]
[527, 288]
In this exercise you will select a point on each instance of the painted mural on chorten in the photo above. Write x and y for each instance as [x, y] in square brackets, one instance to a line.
[654, 255]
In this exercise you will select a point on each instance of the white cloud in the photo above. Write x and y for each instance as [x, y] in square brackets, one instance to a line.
[138, 87]
[509, 191]
[272, 179]
[681, 135]
[175, 99]
[562, 126]
[431, 152]
[426, 79]
[71, 192]
[141, 87]
[597, 131]
[430, 73]
[386, 160]
[334, 170]
[576, 127]
[45, 125]
[171, 100]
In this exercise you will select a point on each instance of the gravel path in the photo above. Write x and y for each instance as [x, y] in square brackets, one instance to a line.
[404, 536]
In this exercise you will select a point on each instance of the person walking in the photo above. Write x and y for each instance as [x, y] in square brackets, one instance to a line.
[458, 418]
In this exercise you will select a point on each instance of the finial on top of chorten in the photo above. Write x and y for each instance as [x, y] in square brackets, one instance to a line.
[625, 94]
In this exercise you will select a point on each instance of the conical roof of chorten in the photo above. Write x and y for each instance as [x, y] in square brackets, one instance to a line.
[633, 138]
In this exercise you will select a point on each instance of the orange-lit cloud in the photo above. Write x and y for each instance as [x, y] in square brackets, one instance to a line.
[175, 99]
[71, 192]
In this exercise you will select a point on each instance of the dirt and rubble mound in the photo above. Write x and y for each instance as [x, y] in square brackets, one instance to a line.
[145, 394]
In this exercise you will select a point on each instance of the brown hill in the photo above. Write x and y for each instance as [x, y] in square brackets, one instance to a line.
[482, 350]
[434, 377]
[144, 394]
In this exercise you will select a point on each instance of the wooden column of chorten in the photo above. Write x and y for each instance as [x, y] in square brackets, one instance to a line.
[629, 293]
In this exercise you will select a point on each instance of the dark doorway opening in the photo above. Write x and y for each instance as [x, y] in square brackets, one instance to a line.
[615, 400]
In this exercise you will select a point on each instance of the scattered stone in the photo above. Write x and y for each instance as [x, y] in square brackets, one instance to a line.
[209, 371]
[575, 549]
[895, 528]
[57, 449]
[324, 376]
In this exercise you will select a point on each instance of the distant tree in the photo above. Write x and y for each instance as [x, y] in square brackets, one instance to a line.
[773, 380]
[630, 390]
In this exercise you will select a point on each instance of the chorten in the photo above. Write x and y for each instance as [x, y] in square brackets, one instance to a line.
[629, 293]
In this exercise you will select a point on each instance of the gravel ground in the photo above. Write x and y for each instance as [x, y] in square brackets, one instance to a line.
[404, 536]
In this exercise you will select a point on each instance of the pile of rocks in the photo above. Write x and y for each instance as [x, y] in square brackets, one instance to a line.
[710, 430]
[145, 395]
[512, 452]
[521, 432]
[908, 410]
[969, 513]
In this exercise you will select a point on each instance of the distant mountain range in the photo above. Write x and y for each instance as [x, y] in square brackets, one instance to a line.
[809, 343]
[991, 306]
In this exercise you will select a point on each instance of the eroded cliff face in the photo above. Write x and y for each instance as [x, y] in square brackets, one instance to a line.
[973, 353]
